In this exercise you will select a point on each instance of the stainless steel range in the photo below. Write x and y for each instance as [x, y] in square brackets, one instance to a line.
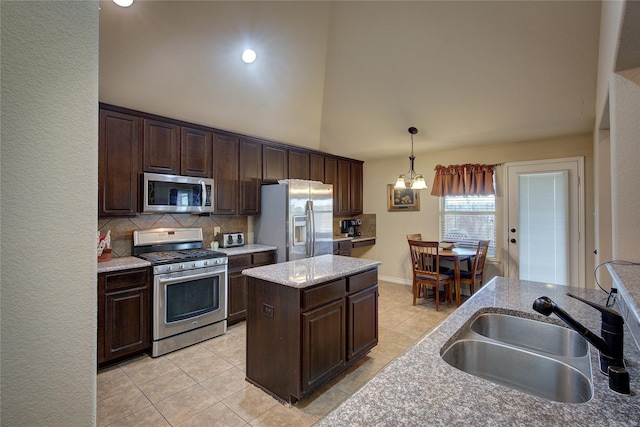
[189, 287]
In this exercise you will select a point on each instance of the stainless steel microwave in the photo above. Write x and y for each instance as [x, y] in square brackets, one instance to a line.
[178, 194]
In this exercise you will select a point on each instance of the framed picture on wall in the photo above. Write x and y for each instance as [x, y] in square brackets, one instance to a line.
[402, 199]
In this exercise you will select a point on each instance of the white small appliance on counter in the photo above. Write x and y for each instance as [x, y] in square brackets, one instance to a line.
[230, 240]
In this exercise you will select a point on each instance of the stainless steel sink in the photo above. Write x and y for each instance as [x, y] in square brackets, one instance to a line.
[531, 334]
[530, 356]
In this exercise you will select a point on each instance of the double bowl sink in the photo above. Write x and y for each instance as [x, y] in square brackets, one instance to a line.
[528, 355]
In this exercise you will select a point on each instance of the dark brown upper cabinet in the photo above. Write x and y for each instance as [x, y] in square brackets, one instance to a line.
[316, 167]
[331, 177]
[132, 142]
[196, 152]
[356, 187]
[298, 164]
[250, 176]
[274, 163]
[161, 147]
[225, 176]
[118, 163]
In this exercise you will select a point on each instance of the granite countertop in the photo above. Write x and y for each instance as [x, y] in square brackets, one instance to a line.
[246, 249]
[419, 388]
[122, 263]
[310, 271]
[354, 239]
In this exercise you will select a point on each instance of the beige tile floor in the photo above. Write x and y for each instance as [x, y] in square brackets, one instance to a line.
[204, 385]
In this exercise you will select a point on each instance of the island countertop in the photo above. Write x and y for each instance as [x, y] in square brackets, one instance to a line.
[310, 271]
[419, 388]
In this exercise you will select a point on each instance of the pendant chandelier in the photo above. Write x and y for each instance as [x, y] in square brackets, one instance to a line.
[411, 179]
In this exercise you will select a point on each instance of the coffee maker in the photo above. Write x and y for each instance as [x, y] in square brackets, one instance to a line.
[350, 226]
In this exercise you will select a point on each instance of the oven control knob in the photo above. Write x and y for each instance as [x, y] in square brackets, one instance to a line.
[170, 268]
[181, 266]
[206, 262]
[194, 265]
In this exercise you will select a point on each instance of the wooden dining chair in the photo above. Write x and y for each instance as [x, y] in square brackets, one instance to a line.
[474, 276]
[416, 236]
[425, 259]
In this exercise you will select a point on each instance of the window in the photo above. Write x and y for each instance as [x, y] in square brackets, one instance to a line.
[467, 219]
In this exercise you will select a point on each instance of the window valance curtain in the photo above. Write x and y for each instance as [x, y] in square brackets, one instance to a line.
[463, 180]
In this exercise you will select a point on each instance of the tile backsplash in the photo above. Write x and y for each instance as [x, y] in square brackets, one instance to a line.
[122, 228]
[367, 229]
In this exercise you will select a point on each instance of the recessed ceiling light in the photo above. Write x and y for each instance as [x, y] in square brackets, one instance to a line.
[123, 3]
[248, 56]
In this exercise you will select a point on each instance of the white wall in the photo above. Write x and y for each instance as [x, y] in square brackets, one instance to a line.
[625, 154]
[49, 192]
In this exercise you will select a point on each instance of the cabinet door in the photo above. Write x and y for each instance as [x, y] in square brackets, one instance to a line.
[331, 177]
[161, 147]
[362, 329]
[316, 167]
[127, 322]
[225, 174]
[123, 313]
[298, 164]
[323, 343]
[250, 177]
[274, 163]
[344, 201]
[355, 187]
[118, 164]
[195, 152]
[237, 307]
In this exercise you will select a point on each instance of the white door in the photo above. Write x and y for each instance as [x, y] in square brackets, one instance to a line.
[545, 221]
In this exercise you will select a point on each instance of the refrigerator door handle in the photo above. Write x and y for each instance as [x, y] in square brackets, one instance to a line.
[311, 238]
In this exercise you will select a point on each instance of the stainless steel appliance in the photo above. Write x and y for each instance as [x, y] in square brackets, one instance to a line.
[350, 227]
[178, 194]
[230, 240]
[189, 301]
[297, 217]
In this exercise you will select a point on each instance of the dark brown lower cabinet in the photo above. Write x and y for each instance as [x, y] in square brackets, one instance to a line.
[123, 314]
[342, 247]
[237, 282]
[298, 339]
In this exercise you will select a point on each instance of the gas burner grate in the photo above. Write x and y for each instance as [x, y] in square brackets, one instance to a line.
[180, 255]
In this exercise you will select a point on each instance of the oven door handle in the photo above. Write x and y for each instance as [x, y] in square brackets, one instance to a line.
[171, 280]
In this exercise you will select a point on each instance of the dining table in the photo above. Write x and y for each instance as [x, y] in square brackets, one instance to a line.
[456, 255]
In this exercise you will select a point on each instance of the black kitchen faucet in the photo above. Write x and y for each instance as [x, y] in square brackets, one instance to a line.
[610, 344]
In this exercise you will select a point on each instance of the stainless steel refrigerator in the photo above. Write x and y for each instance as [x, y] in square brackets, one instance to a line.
[297, 217]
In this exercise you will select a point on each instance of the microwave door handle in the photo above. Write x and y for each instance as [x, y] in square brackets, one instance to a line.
[203, 203]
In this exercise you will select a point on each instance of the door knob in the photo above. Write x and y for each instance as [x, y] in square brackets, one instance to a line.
[512, 240]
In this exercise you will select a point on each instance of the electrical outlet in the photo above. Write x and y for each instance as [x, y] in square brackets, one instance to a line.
[216, 231]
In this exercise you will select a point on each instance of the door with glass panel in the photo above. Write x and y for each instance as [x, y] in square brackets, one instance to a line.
[545, 221]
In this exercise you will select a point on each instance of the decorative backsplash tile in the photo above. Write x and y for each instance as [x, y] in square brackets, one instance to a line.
[122, 228]
[367, 229]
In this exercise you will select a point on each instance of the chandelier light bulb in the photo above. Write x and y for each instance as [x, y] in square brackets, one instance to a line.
[123, 3]
[248, 56]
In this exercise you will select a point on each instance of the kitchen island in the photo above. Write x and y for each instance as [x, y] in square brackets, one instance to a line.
[419, 388]
[308, 320]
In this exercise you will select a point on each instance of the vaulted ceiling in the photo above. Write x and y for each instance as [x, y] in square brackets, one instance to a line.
[350, 77]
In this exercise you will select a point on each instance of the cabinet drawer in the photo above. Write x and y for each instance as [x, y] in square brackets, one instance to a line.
[126, 279]
[239, 261]
[262, 258]
[363, 280]
[323, 294]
